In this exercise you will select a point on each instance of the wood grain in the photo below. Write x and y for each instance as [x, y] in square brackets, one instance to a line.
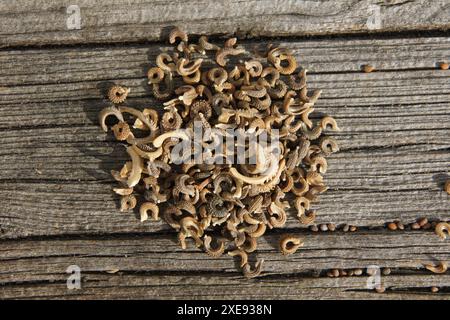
[55, 161]
[39, 22]
[120, 62]
[154, 266]
[57, 208]
[215, 286]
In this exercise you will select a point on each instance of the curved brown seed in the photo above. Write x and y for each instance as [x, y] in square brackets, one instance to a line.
[118, 94]
[440, 268]
[177, 33]
[149, 206]
[249, 273]
[289, 244]
[447, 186]
[441, 228]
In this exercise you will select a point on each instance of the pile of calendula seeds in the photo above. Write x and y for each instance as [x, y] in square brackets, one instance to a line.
[219, 203]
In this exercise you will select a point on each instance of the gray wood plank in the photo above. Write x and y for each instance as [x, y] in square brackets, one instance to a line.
[85, 208]
[154, 266]
[81, 64]
[38, 22]
[394, 144]
[347, 89]
[55, 187]
[131, 286]
[70, 192]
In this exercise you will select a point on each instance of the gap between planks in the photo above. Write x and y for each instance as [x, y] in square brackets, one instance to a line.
[33, 23]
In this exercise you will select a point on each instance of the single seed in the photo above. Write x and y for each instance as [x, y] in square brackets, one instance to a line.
[441, 229]
[353, 228]
[434, 289]
[415, 226]
[447, 183]
[386, 271]
[323, 227]
[346, 228]
[289, 244]
[443, 65]
[380, 289]
[441, 267]
[422, 221]
[392, 226]
[358, 272]
[400, 226]
[371, 271]
[367, 68]
[331, 227]
[426, 226]
[313, 228]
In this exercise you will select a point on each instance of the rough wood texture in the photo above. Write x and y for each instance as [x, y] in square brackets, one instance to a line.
[217, 286]
[154, 266]
[80, 65]
[56, 204]
[56, 160]
[37, 22]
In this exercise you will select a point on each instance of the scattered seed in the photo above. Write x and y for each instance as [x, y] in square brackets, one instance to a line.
[112, 271]
[367, 68]
[386, 271]
[380, 289]
[289, 244]
[422, 221]
[217, 206]
[426, 226]
[371, 271]
[392, 226]
[440, 268]
[118, 94]
[358, 272]
[443, 65]
[127, 202]
[441, 228]
[334, 273]
[447, 186]
[249, 273]
[415, 226]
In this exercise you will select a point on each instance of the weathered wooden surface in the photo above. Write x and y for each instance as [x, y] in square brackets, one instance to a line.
[394, 144]
[205, 286]
[149, 266]
[56, 204]
[37, 22]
